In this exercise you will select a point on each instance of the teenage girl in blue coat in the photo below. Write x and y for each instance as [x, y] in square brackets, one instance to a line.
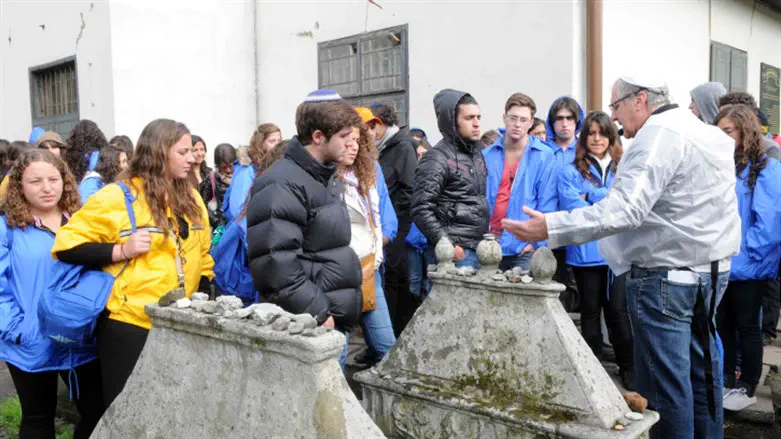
[754, 269]
[41, 197]
[582, 183]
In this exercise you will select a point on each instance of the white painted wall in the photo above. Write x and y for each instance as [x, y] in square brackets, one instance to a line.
[188, 61]
[672, 41]
[489, 49]
[668, 40]
[732, 24]
[30, 46]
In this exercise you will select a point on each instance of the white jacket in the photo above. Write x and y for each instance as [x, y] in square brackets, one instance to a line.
[672, 203]
[362, 241]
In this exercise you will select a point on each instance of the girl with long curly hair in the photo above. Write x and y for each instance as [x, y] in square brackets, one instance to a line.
[85, 142]
[169, 252]
[756, 266]
[263, 140]
[359, 172]
[42, 197]
[582, 183]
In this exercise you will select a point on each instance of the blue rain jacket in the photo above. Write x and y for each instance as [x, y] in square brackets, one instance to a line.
[760, 225]
[91, 184]
[563, 157]
[534, 186]
[238, 190]
[571, 185]
[25, 261]
[388, 218]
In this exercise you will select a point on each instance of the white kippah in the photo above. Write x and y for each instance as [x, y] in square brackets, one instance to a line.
[644, 81]
[322, 95]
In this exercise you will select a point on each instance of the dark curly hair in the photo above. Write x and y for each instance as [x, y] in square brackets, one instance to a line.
[751, 149]
[385, 113]
[108, 163]
[607, 129]
[84, 138]
[16, 206]
[364, 166]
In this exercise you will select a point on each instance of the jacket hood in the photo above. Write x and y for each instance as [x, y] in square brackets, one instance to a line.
[320, 172]
[551, 135]
[445, 103]
[706, 96]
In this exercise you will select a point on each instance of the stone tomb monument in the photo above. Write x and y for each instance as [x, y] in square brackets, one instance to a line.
[493, 354]
[216, 370]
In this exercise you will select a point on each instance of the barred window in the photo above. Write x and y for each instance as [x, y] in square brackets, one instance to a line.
[729, 66]
[369, 67]
[54, 96]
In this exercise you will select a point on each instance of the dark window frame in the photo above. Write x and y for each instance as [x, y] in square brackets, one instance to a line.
[362, 98]
[50, 123]
[735, 55]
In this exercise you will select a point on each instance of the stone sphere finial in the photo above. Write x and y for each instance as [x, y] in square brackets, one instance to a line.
[444, 251]
[489, 252]
[543, 265]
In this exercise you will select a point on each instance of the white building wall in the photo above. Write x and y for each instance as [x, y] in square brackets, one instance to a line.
[69, 28]
[672, 41]
[489, 49]
[188, 61]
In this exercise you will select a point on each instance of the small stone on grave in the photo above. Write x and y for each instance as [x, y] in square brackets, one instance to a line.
[281, 323]
[199, 296]
[183, 303]
[295, 328]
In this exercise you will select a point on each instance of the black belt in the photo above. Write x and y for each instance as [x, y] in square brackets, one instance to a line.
[705, 329]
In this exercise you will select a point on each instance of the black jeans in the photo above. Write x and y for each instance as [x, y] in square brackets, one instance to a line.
[771, 302]
[570, 296]
[738, 313]
[38, 397]
[119, 346]
[593, 288]
[401, 303]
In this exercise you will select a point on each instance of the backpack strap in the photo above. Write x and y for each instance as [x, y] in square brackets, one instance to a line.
[129, 198]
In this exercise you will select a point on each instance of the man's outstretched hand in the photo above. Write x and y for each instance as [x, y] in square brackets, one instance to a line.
[533, 230]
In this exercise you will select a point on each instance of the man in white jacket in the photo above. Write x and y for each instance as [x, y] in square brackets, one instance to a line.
[671, 220]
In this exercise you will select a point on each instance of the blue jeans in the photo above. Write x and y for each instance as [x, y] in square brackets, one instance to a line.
[668, 353]
[509, 262]
[470, 259]
[377, 326]
[418, 262]
[345, 351]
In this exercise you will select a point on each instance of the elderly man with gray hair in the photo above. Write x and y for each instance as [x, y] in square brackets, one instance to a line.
[671, 221]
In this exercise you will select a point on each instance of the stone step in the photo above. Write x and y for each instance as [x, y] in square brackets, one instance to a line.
[772, 356]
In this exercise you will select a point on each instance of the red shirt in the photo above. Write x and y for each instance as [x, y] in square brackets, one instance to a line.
[503, 197]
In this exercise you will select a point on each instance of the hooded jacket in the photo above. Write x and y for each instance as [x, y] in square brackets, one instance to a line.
[298, 237]
[216, 217]
[563, 157]
[534, 185]
[236, 194]
[571, 186]
[449, 196]
[760, 215]
[706, 97]
[25, 262]
[398, 160]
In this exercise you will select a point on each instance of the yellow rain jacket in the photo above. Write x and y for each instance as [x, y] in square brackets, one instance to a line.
[4, 188]
[149, 276]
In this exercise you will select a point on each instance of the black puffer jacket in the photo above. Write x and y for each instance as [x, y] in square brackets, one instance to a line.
[449, 196]
[298, 236]
[216, 216]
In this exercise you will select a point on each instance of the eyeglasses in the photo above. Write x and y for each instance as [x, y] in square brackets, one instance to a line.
[614, 105]
[518, 119]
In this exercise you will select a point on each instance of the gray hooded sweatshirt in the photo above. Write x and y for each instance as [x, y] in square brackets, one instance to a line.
[706, 97]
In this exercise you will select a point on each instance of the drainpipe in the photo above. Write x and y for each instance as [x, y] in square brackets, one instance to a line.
[255, 65]
[594, 54]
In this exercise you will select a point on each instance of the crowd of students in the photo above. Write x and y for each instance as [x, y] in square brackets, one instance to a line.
[340, 221]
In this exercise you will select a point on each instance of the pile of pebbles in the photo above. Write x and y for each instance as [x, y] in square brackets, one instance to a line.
[261, 314]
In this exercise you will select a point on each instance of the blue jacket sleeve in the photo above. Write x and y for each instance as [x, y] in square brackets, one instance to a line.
[763, 235]
[11, 314]
[388, 218]
[570, 190]
[596, 194]
[88, 188]
[547, 198]
[237, 194]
